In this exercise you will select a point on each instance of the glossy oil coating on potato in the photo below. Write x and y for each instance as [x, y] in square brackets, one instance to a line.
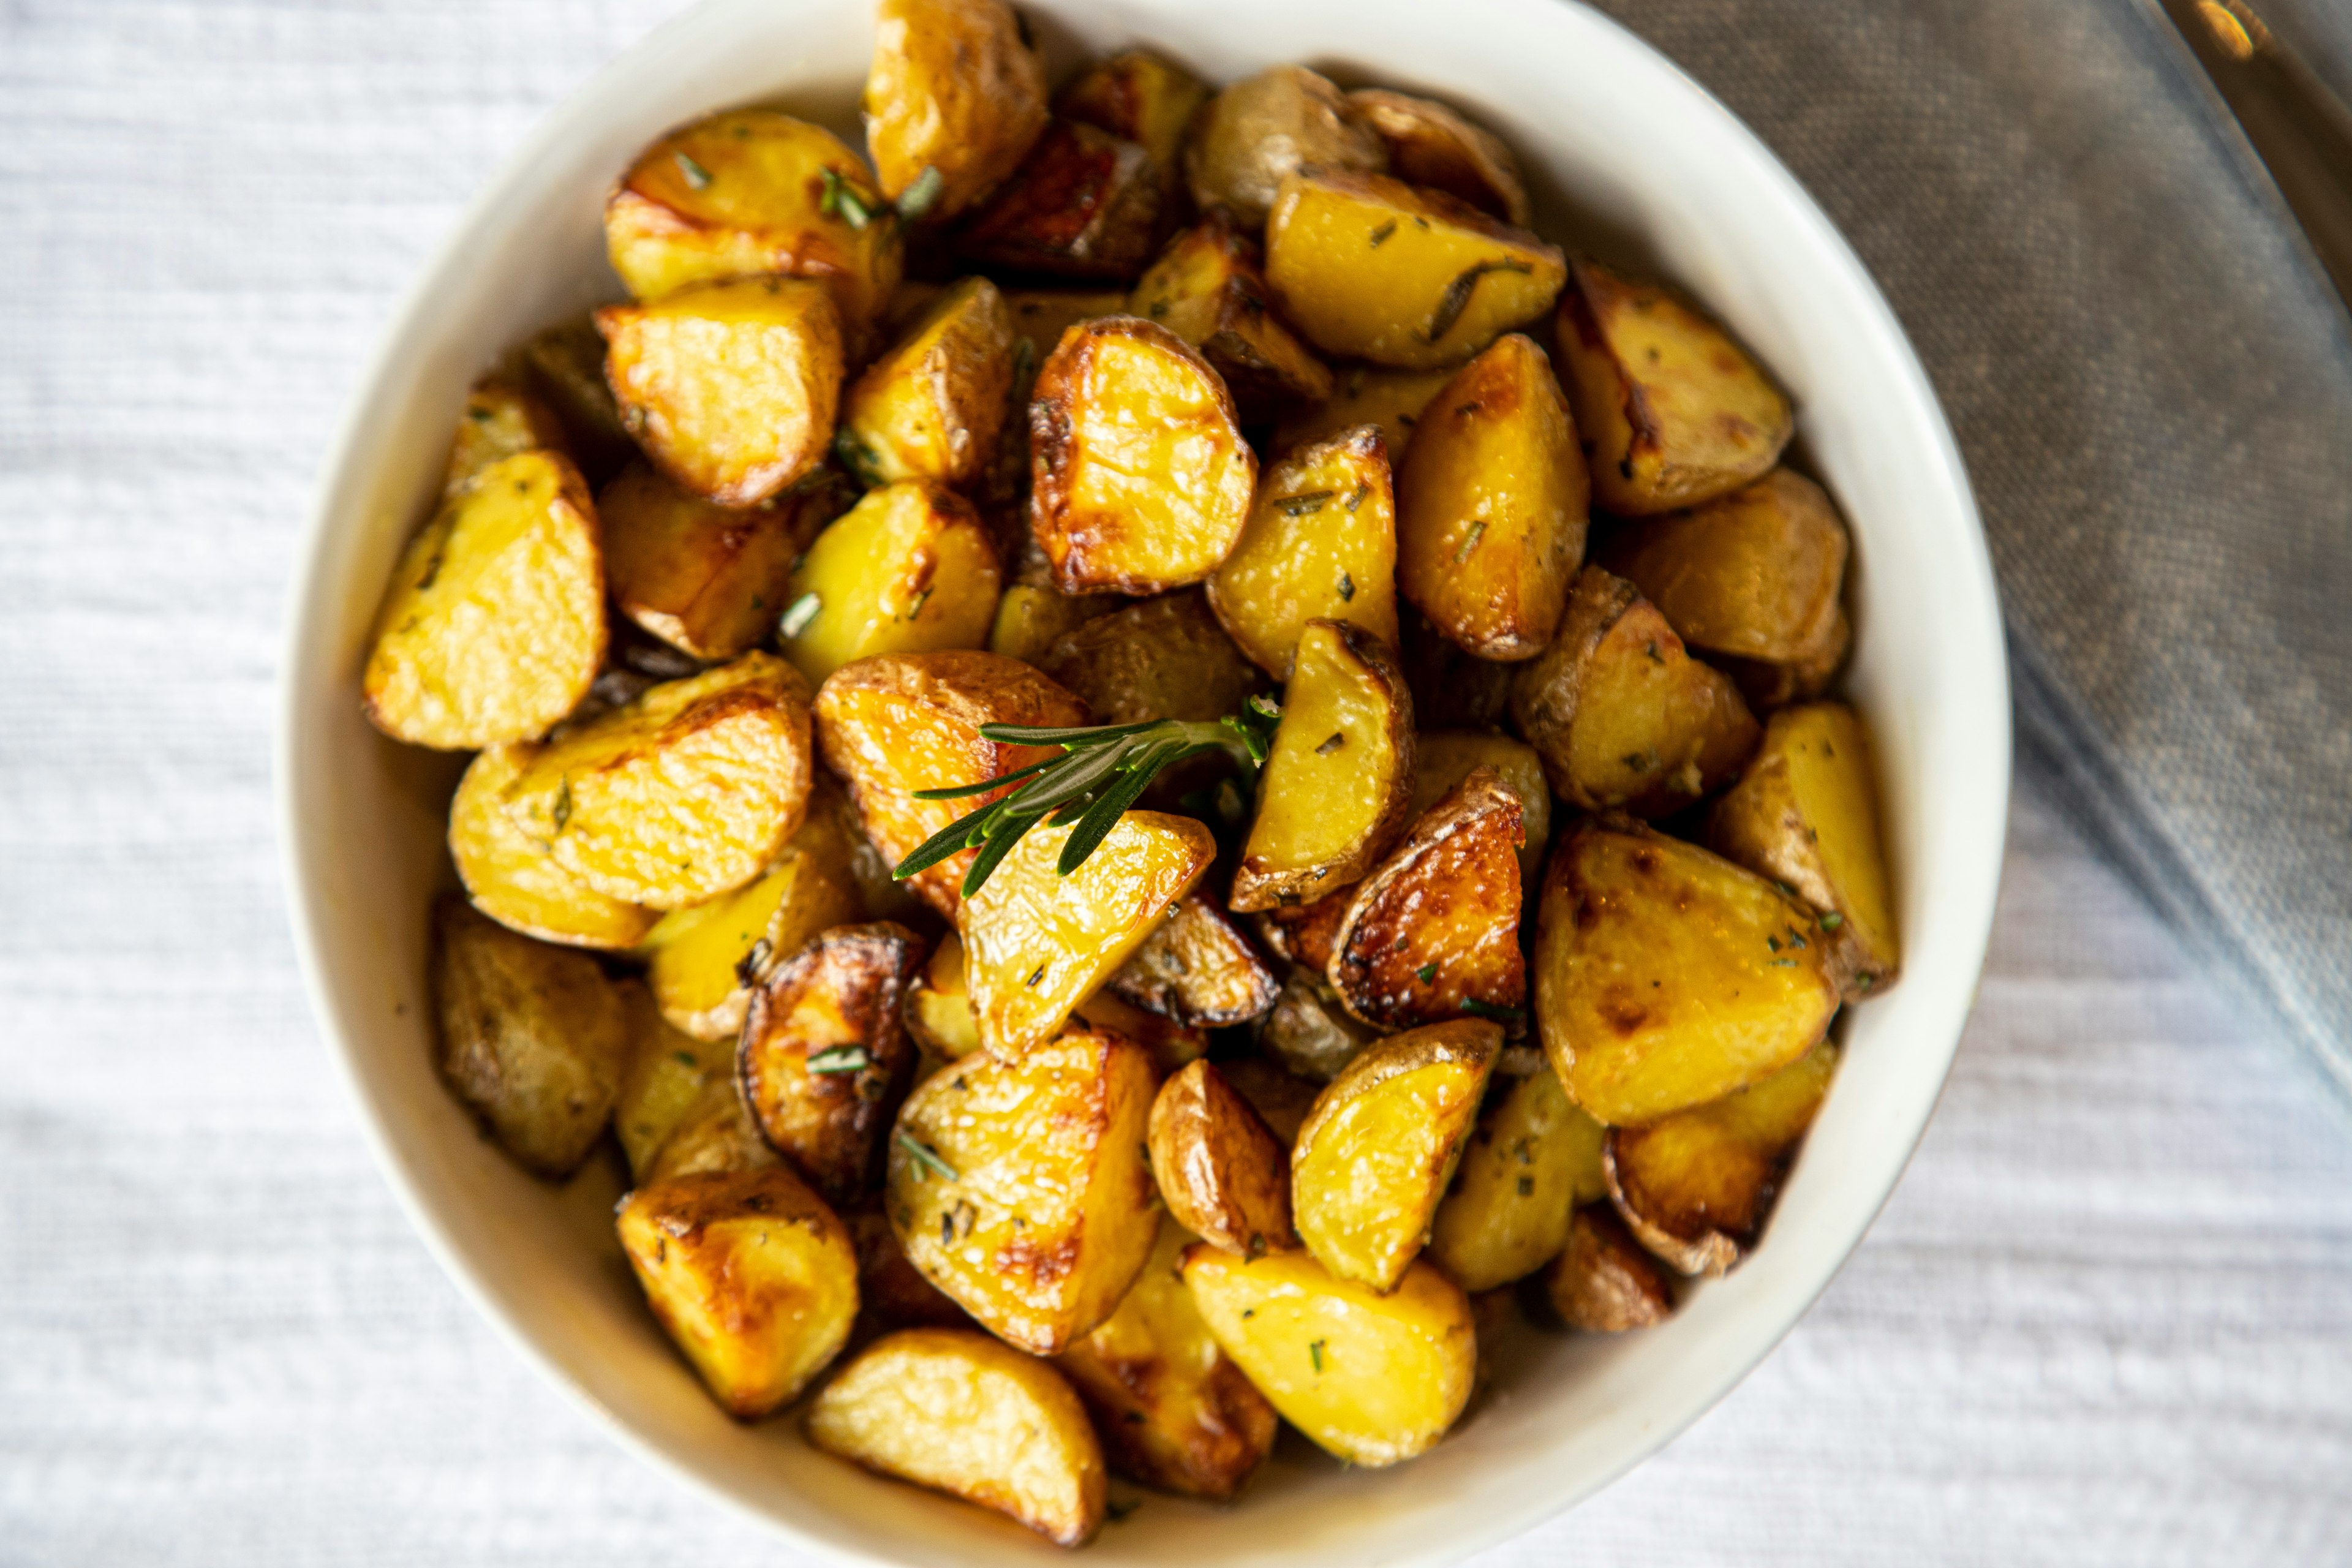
[1372, 1378]
[1036, 943]
[1370, 268]
[1222, 1174]
[668, 1074]
[1433, 932]
[704, 961]
[1021, 1189]
[955, 87]
[1696, 1187]
[707, 580]
[902, 722]
[1806, 814]
[680, 795]
[1754, 574]
[1332, 797]
[1529, 1160]
[718, 1135]
[1308, 1032]
[1140, 480]
[1492, 505]
[1666, 977]
[1602, 1282]
[1444, 758]
[938, 1009]
[1320, 545]
[1163, 658]
[1264, 128]
[533, 1038]
[955, 1411]
[502, 419]
[1171, 1408]
[753, 1277]
[1672, 412]
[1623, 717]
[908, 569]
[1433, 146]
[1303, 934]
[1198, 969]
[932, 407]
[749, 194]
[1361, 395]
[1139, 96]
[1208, 288]
[493, 626]
[823, 1054]
[1085, 203]
[513, 879]
[730, 388]
[1376, 1156]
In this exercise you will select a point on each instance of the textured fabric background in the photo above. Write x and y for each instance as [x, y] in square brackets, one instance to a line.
[2102, 1321]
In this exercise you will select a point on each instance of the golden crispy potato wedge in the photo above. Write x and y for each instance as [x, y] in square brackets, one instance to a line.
[493, 627]
[956, 1412]
[1222, 1174]
[1756, 574]
[514, 881]
[1021, 1188]
[1370, 268]
[1032, 617]
[1666, 977]
[909, 569]
[1602, 1282]
[823, 1055]
[564, 364]
[1282, 1099]
[955, 87]
[902, 722]
[502, 419]
[1433, 932]
[1623, 717]
[931, 407]
[1138, 96]
[533, 1037]
[1036, 943]
[939, 1008]
[668, 1074]
[707, 580]
[680, 795]
[1373, 1378]
[1806, 815]
[1377, 1151]
[1332, 797]
[1308, 1032]
[1264, 128]
[1533, 1157]
[1085, 203]
[1431, 146]
[1171, 1408]
[1304, 933]
[1320, 545]
[1491, 505]
[749, 194]
[1208, 289]
[1672, 412]
[1164, 657]
[730, 388]
[1444, 758]
[1171, 1046]
[1695, 1187]
[892, 1292]
[1392, 399]
[717, 1134]
[1198, 969]
[705, 961]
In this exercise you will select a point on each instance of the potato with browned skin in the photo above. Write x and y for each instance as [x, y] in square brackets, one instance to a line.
[1444, 758]
[933, 404]
[1432, 145]
[1320, 545]
[1756, 574]
[1139, 96]
[1304, 933]
[1198, 969]
[1602, 1282]
[1267, 127]
[892, 1292]
[1532, 1157]
[954, 100]
[1308, 1032]
[1208, 288]
[1084, 205]
[502, 419]
[707, 580]
[909, 569]
[1164, 657]
[1222, 1174]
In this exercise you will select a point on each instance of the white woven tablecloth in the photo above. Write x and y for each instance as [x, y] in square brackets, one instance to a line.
[2108, 1318]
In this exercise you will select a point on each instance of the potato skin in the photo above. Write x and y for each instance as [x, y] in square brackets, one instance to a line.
[1364, 394]
[932, 405]
[1263, 128]
[1430, 145]
[665, 1075]
[1198, 969]
[1164, 657]
[515, 881]
[1208, 288]
[1756, 574]
[716, 1134]
[1138, 96]
[956, 1412]
[707, 580]
[705, 961]
[1304, 933]
[1308, 1032]
[1532, 1157]
[1320, 544]
[1603, 1283]
[1768, 686]
[1452, 689]
[1444, 758]
[1221, 1174]
[953, 86]
[1085, 204]
[1281, 1099]
[1032, 617]
[502, 419]
[892, 1292]
[909, 569]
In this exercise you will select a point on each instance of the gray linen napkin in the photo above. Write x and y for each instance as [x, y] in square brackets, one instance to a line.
[2152, 386]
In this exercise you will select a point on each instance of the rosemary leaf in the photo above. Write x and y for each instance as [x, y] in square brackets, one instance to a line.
[927, 1158]
[919, 198]
[841, 1058]
[1456, 297]
[696, 177]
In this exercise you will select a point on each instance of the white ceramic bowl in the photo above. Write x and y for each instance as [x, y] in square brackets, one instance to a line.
[1626, 156]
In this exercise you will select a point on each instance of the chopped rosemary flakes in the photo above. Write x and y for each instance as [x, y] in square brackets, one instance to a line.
[926, 1158]
[695, 174]
[1306, 503]
[1381, 234]
[1314, 1353]
[1477, 532]
[798, 615]
[919, 198]
[1427, 973]
[840, 1058]
[1527, 1186]
[1832, 920]
[1347, 587]
[1456, 297]
[1338, 739]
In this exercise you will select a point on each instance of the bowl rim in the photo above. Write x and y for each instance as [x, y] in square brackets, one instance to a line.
[306, 603]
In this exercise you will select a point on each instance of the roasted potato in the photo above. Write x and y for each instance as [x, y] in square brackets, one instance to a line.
[931, 407]
[1666, 977]
[533, 1037]
[718, 1135]
[1392, 399]
[1602, 1282]
[502, 420]
[1623, 717]
[1171, 1046]
[1372, 1377]
[1263, 128]
[1303, 934]
[1430, 145]
[753, 1276]
[1164, 657]
[1805, 814]
[1320, 544]
[1492, 505]
[1222, 1174]
[564, 364]
[1282, 1099]
[749, 194]
[1695, 1187]
[1769, 686]
[1332, 797]
[939, 1008]
[955, 87]
[514, 881]
[1036, 943]
[1139, 479]
[1433, 932]
[680, 795]
[1021, 1190]
[1377, 1151]
[1754, 574]
[707, 580]
[1531, 1159]
[909, 569]
[956, 1412]
[1370, 268]
[833, 832]
[1198, 969]
[667, 1075]
[1138, 96]
[1444, 758]
[1308, 1032]
[902, 722]
[1040, 316]
[1171, 1408]
[1672, 411]
[493, 627]
[892, 1292]
[1207, 288]
[1085, 203]
[1452, 689]
[730, 388]
[705, 961]
[1032, 617]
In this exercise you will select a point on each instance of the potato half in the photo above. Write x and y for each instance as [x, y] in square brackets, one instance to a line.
[1138, 96]
[1666, 977]
[1444, 758]
[1223, 1175]
[1264, 128]
[1207, 288]
[1084, 204]
[932, 407]
[909, 569]
[704, 961]
[1602, 1282]
[1361, 395]
[1198, 969]
[502, 419]
[1321, 544]
[1164, 657]
[1532, 1158]
[1433, 146]
[955, 87]
[1756, 574]
[513, 880]
[668, 1074]
[707, 580]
